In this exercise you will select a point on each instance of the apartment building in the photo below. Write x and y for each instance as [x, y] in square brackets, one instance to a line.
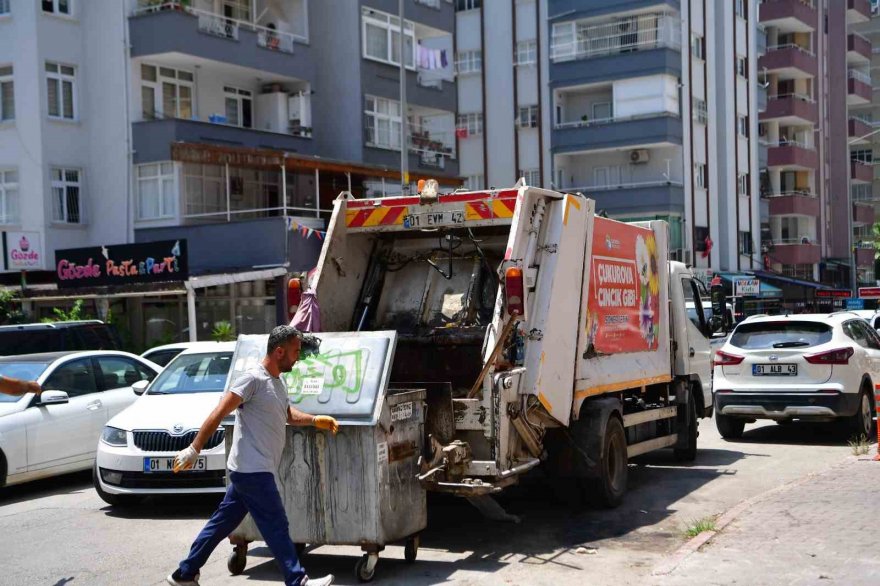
[228, 124]
[818, 176]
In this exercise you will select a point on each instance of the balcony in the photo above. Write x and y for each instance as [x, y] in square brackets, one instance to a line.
[796, 252]
[645, 44]
[861, 172]
[152, 139]
[628, 199]
[661, 128]
[382, 81]
[858, 131]
[789, 62]
[865, 255]
[858, 89]
[791, 110]
[793, 156]
[863, 214]
[858, 49]
[794, 203]
[796, 16]
[857, 11]
[175, 27]
[431, 145]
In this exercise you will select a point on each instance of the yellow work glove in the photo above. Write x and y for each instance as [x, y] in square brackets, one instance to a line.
[326, 422]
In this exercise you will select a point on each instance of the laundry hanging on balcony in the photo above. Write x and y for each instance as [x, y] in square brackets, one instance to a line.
[305, 231]
[430, 59]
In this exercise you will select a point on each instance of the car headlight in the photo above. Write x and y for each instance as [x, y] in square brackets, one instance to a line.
[114, 437]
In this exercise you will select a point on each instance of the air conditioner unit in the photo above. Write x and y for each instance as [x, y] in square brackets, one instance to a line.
[639, 156]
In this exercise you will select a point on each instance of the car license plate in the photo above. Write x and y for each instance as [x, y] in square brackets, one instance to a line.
[430, 219]
[774, 369]
[166, 464]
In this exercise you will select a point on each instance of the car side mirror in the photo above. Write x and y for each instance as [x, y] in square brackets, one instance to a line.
[716, 325]
[54, 398]
[140, 386]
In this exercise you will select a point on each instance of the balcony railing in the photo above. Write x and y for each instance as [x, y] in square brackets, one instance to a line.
[785, 46]
[796, 192]
[794, 96]
[431, 3]
[610, 120]
[225, 27]
[790, 241]
[859, 76]
[585, 189]
[624, 35]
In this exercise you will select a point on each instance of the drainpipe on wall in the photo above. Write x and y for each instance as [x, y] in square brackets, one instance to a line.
[129, 188]
[191, 310]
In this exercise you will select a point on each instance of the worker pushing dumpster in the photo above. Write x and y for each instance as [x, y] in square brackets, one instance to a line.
[360, 488]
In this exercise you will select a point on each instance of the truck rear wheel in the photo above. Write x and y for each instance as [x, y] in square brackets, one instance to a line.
[609, 487]
[689, 453]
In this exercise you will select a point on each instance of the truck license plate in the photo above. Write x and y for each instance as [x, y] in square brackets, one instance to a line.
[774, 369]
[430, 219]
[167, 465]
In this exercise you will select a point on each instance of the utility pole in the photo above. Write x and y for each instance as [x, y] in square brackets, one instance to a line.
[404, 147]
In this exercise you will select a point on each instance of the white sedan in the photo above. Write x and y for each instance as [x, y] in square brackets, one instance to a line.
[137, 447]
[56, 432]
[799, 367]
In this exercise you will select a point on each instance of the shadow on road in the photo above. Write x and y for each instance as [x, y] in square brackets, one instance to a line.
[64, 484]
[796, 433]
[196, 506]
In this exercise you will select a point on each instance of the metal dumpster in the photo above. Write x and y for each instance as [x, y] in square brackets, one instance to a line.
[359, 487]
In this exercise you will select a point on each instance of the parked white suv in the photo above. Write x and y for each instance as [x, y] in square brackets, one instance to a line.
[804, 367]
[137, 447]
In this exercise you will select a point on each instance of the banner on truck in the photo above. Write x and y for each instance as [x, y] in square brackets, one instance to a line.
[623, 308]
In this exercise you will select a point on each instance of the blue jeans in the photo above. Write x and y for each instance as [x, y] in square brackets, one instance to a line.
[257, 494]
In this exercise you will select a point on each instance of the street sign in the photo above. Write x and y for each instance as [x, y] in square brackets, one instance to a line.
[869, 292]
[836, 293]
[747, 287]
[855, 304]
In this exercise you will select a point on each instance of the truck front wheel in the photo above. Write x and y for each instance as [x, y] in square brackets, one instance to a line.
[610, 486]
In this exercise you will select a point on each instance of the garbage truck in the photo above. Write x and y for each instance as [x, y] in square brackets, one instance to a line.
[543, 334]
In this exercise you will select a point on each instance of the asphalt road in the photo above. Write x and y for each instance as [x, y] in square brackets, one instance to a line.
[58, 532]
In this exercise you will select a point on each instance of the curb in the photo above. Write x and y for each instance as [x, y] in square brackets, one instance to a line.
[693, 544]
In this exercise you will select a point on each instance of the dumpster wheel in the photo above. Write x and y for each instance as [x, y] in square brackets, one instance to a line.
[411, 549]
[365, 568]
[237, 560]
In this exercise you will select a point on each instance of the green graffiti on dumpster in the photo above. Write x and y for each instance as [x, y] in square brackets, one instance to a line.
[341, 370]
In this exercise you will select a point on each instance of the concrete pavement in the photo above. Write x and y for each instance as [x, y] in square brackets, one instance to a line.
[822, 529]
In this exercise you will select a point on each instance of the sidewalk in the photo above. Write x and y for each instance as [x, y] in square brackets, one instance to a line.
[822, 530]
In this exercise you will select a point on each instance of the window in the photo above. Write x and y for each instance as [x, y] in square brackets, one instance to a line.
[118, 372]
[528, 117]
[862, 156]
[166, 92]
[742, 66]
[700, 178]
[382, 38]
[58, 7]
[61, 88]
[742, 181]
[701, 235]
[742, 126]
[156, 191]
[698, 46]
[382, 119]
[692, 296]
[66, 197]
[474, 182]
[532, 177]
[239, 107]
[8, 196]
[7, 94]
[602, 111]
[604, 177]
[204, 189]
[469, 124]
[468, 62]
[745, 243]
[526, 52]
[4, 7]
[461, 5]
[700, 114]
[740, 8]
[798, 271]
[74, 378]
[768, 335]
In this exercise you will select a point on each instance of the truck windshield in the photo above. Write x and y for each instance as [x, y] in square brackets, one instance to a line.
[786, 334]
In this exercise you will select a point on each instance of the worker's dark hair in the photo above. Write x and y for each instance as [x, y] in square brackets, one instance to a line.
[280, 335]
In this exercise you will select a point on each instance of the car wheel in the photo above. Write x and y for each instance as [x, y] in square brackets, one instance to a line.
[115, 500]
[729, 427]
[2, 469]
[862, 422]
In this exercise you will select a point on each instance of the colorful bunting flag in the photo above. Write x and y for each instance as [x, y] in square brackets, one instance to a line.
[305, 231]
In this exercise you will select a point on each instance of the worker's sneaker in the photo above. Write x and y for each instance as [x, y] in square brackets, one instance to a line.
[176, 579]
[325, 581]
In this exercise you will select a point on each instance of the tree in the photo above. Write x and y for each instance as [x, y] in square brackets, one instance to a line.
[75, 313]
[223, 332]
[10, 311]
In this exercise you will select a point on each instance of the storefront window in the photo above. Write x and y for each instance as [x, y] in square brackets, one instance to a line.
[163, 323]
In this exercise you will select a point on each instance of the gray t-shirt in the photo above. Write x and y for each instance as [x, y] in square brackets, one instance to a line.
[260, 422]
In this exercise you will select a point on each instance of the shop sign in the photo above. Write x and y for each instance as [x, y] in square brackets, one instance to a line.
[24, 251]
[834, 294]
[869, 292]
[855, 304]
[747, 287]
[122, 264]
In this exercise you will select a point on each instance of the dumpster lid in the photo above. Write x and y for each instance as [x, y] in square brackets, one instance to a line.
[345, 379]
